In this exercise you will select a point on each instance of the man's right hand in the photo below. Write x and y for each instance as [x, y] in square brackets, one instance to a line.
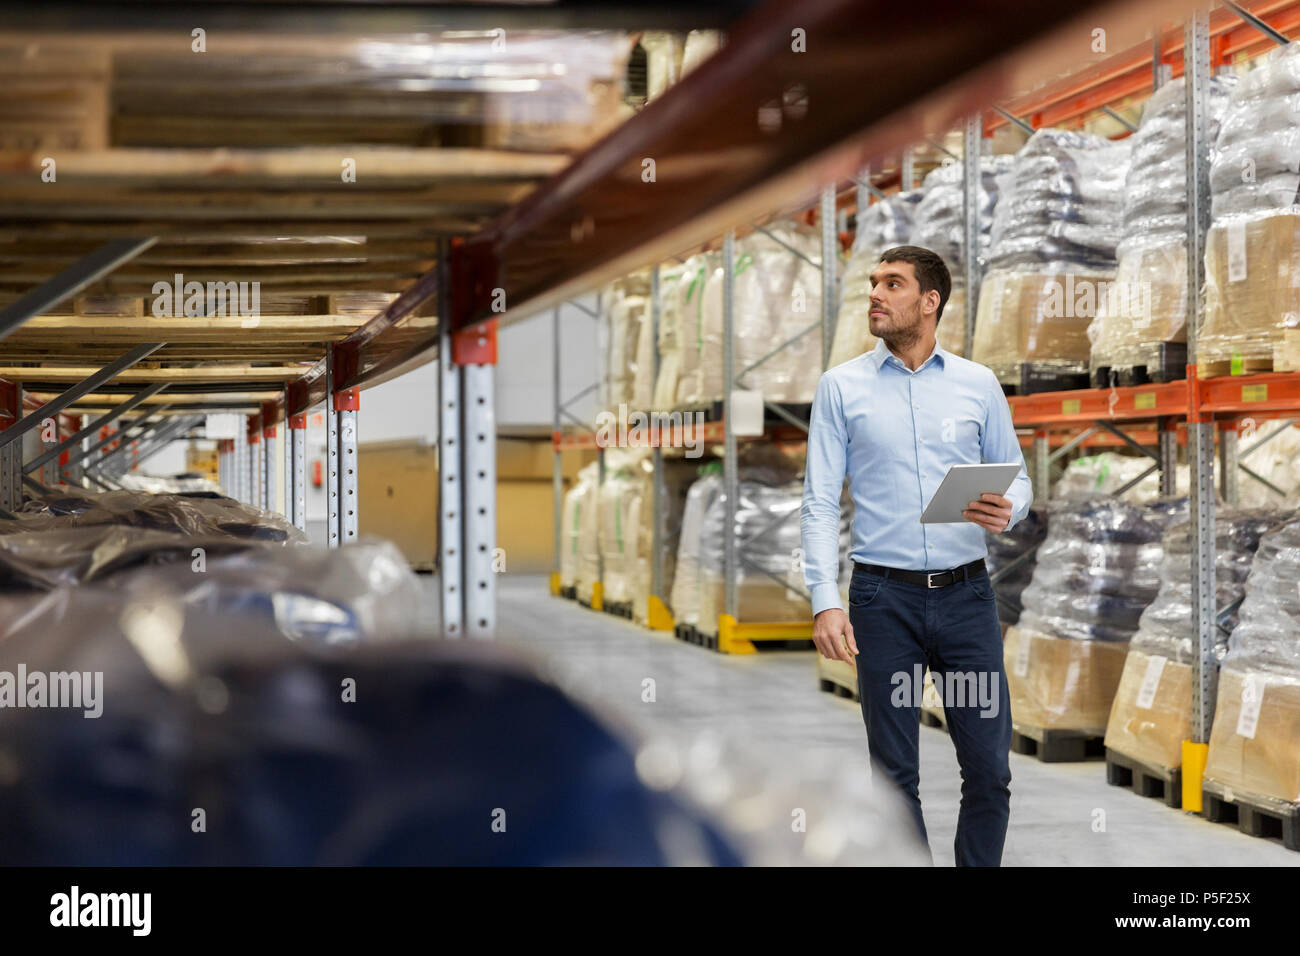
[833, 635]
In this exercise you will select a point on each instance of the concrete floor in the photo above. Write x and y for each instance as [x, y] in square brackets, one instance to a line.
[771, 700]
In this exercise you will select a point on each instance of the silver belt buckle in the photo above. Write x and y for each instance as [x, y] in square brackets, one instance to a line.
[929, 579]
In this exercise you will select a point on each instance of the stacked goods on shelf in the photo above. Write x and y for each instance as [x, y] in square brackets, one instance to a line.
[671, 341]
[1252, 249]
[1106, 472]
[881, 226]
[625, 307]
[940, 225]
[583, 530]
[1005, 548]
[1254, 750]
[1097, 571]
[700, 354]
[684, 597]
[1146, 306]
[622, 498]
[1152, 713]
[1278, 463]
[1052, 252]
[777, 297]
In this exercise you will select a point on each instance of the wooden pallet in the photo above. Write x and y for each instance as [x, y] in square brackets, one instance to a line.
[1255, 815]
[1218, 368]
[1163, 783]
[1056, 746]
[618, 608]
[836, 688]
[692, 635]
[1167, 362]
[570, 593]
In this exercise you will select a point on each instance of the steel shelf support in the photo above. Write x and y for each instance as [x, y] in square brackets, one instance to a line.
[331, 453]
[255, 460]
[730, 470]
[346, 404]
[296, 500]
[907, 170]
[1168, 456]
[830, 270]
[1196, 47]
[1042, 465]
[451, 572]
[659, 516]
[557, 461]
[1228, 462]
[80, 454]
[970, 181]
[74, 440]
[268, 467]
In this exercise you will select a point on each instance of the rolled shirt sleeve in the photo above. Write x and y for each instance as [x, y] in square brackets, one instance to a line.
[819, 518]
[1000, 444]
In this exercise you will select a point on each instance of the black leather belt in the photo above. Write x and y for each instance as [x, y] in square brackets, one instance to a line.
[928, 579]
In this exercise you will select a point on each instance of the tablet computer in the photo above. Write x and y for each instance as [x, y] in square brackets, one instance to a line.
[964, 484]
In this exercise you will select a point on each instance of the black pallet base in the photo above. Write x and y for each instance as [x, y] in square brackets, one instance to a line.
[1169, 365]
[1034, 378]
[1255, 816]
[1162, 783]
[618, 608]
[1056, 746]
[687, 633]
[836, 688]
[569, 593]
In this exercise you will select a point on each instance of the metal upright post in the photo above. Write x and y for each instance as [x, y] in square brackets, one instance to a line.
[730, 472]
[331, 454]
[346, 404]
[241, 465]
[557, 462]
[1042, 465]
[658, 494]
[907, 170]
[971, 140]
[297, 478]
[255, 460]
[1228, 460]
[450, 576]
[480, 480]
[1168, 438]
[1200, 426]
[830, 271]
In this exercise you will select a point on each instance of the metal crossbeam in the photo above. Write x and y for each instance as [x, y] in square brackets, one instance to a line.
[1278, 38]
[789, 248]
[1262, 480]
[1012, 118]
[85, 271]
[84, 387]
[1265, 440]
[776, 351]
[81, 454]
[94, 426]
[1072, 444]
[1135, 445]
[1119, 119]
[784, 415]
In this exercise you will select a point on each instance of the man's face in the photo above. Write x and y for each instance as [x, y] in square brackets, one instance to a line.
[896, 301]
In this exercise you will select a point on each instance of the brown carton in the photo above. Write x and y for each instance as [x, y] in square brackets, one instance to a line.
[1060, 684]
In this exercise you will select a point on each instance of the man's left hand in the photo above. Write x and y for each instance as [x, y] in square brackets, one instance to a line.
[992, 512]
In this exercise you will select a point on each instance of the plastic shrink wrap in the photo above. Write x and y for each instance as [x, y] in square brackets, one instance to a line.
[1004, 549]
[1152, 713]
[303, 754]
[1052, 253]
[1252, 254]
[777, 297]
[881, 226]
[1255, 742]
[1146, 305]
[1097, 570]
[624, 309]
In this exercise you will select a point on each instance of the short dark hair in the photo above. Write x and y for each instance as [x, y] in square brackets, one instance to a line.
[931, 271]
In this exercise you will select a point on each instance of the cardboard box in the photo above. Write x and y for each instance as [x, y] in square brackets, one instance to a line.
[1252, 288]
[1039, 317]
[1152, 713]
[1060, 684]
[1257, 753]
[762, 600]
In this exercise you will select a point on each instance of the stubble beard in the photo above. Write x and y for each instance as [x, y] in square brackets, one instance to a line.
[904, 337]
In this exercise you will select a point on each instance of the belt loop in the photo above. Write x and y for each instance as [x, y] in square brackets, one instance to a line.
[886, 574]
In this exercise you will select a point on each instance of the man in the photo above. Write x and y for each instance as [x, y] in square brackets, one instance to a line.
[896, 418]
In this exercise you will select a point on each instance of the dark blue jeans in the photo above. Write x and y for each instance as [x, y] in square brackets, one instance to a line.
[902, 628]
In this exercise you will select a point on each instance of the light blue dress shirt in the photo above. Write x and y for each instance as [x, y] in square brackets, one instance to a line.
[895, 433]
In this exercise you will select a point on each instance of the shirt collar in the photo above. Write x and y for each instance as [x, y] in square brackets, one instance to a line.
[881, 354]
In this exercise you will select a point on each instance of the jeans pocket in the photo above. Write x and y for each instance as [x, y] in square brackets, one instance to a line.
[982, 587]
[863, 591]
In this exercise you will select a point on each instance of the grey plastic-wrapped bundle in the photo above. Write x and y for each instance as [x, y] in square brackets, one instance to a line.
[685, 595]
[939, 220]
[1052, 253]
[1147, 303]
[1165, 628]
[1267, 636]
[1009, 547]
[1252, 249]
[881, 226]
[1098, 568]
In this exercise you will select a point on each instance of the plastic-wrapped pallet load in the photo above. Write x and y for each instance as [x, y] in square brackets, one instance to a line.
[1255, 743]
[1252, 249]
[940, 225]
[624, 307]
[881, 226]
[684, 597]
[777, 297]
[671, 338]
[577, 505]
[1097, 571]
[1052, 251]
[701, 348]
[769, 572]
[1106, 472]
[587, 533]
[1146, 305]
[1152, 713]
[624, 549]
[1011, 546]
[1278, 463]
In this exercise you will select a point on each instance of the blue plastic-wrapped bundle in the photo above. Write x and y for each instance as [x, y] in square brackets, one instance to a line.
[1009, 547]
